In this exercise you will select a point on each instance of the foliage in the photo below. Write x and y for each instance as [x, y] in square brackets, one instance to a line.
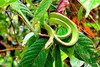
[5, 3]
[35, 53]
[88, 55]
[89, 5]
[49, 33]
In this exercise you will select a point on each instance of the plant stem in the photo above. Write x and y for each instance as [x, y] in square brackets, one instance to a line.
[28, 23]
[4, 50]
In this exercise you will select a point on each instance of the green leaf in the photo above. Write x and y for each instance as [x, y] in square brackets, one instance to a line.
[80, 14]
[30, 2]
[57, 57]
[69, 51]
[43, 18]
[3, 28]
[6, 2]
[20, 6]
[95, 25]
[61, 31]
[43, 7]
[85, 50]
[17, 53]
[36, 55]
[23, 52]
[22, 9]
[49, 61]
[27, 37]
[75, 62]
[31, 41]
[88, 65]
[42, 21]
[63, 57]
[89, 5]
[28, 41]
[8, 60]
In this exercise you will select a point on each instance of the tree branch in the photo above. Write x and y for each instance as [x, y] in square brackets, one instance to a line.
[5, 50]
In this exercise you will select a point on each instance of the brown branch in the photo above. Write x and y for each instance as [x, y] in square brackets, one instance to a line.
[92, 18]
[43, 35]
[5, 50]
[2, 43]
[24, 21]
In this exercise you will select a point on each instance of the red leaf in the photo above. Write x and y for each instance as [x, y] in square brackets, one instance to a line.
[88, 31]
[75, 20]
[63, 4]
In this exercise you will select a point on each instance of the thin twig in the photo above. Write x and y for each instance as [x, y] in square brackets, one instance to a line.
[43, 35]
[92, 18]
[12, 25]
[24, 21]
[28, 22]
[5, 50]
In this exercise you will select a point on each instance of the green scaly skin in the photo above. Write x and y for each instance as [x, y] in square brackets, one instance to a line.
[57, 18]
[62, 23]
[74, 29]
[51, 34]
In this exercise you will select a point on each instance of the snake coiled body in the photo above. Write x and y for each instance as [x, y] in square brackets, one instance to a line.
[59, 19]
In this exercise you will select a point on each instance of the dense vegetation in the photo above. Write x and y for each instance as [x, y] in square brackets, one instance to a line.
[49, 33]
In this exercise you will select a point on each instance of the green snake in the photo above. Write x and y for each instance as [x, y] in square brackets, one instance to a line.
[57, 18]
